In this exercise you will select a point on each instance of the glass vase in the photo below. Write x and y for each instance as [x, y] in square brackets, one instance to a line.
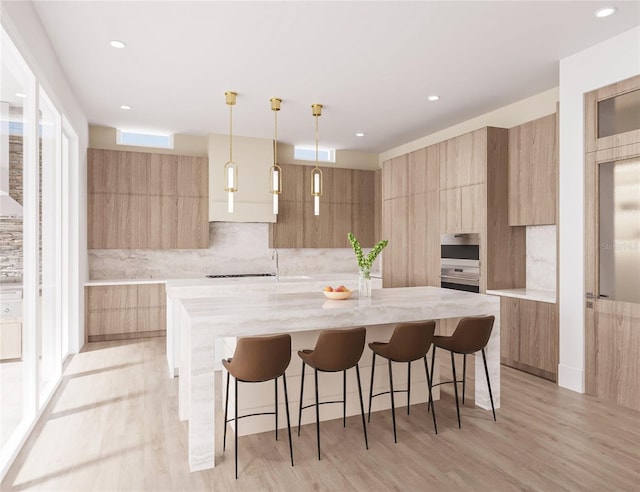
[364, 283]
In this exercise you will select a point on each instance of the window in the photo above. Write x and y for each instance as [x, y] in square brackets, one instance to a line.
[309, 154]
[144, 139]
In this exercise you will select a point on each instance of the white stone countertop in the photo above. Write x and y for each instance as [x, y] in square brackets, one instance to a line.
[300, 311]
[124, 281]
[529, 294]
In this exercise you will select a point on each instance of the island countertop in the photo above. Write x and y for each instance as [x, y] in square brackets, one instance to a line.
[279, 312]
[259, 313]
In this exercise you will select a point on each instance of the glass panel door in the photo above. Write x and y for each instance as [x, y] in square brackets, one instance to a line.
[619, 209]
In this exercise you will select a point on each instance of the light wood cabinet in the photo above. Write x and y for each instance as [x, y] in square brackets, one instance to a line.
[462, 160]
[411, 218]
[347, 205]
[140, 200]
[529, 336]
[455, 187]
[116, 312]
[533, 172]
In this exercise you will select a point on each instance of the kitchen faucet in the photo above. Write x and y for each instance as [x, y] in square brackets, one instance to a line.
[274, 256]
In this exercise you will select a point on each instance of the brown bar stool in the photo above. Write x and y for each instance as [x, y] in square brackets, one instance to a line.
[409, 342]
[335, 350]
[471, 335]
[255, 360]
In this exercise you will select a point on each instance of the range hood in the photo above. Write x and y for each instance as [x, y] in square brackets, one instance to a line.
[8, 206]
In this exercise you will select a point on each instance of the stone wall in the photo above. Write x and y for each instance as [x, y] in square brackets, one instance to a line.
[11, 228]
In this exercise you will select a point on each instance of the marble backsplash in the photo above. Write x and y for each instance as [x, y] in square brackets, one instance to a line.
[541, 258]
[233, 248]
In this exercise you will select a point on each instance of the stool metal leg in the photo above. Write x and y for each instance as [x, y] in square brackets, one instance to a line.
[317, 414]
[408, 386]
[455, 387]
[464, 375]
[430, 386]
[344, 398]
[276, 384]
[373, 366]
[226, 407]
[433, 363]
[301, 393]
[393, 405]
[486, 372]
[364, 425]
[286, 406]
[236, 422]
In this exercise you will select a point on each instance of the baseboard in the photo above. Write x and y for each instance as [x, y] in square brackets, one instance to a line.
[127, 336]
[571, 378]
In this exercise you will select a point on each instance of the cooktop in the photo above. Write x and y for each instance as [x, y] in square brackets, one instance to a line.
[240, 275]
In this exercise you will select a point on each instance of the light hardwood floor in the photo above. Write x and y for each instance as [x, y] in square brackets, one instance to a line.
[113, 425]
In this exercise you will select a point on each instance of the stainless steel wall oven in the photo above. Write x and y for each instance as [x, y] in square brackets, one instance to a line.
[460, 262]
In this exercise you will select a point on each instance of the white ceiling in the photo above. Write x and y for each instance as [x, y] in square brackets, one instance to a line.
[372, 64]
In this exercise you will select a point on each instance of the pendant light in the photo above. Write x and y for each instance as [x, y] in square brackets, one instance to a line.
[230, 168]
[275, 173]
[316, 174]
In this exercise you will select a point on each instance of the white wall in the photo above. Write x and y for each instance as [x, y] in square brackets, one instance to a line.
[613, 60]
[23, 25]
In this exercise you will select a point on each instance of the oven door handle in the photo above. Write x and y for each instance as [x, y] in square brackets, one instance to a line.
[473, 279]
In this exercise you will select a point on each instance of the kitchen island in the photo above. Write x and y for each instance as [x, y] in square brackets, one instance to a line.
[260, 313]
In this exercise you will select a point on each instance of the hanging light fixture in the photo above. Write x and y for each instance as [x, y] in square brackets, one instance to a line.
[230, 168]
[275, 173]
[316, 174]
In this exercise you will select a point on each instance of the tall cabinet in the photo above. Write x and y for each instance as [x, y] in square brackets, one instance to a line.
[457, 186]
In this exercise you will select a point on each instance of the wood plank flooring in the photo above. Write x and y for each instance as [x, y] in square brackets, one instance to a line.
[113, 425]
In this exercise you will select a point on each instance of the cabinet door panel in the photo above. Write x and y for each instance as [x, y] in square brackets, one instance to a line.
[151, 295]
[103, 297]
[539, 335]
[462, 160]
[152, 319]
[472, 208]
[509, 330]
[450, 211]
[112, 322]
[533, 172]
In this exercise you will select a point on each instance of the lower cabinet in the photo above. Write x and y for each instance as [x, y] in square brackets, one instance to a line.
[115, 312]
[529, 336]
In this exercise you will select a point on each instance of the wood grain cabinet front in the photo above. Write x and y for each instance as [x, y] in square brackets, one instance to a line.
[141, 200]
[115, 312]
[529, 336]
[533, 172]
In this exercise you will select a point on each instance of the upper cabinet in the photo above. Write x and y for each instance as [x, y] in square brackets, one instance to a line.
[462, 161]
[141, 200]
[253, 201]
[347, 205]
[533, 172]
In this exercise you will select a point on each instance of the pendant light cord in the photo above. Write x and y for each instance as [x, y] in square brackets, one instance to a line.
[275, 139]
[316, 141]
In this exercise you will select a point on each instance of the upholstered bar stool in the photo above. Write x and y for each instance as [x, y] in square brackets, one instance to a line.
[255, 360]
[335, 351]
[470, 336]
[409, 342]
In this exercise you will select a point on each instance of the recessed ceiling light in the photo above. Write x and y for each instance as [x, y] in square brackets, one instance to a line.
[117, 44]
[605, 12]
[359, 134]
[20, 94]
[433, 98]
[124, 106]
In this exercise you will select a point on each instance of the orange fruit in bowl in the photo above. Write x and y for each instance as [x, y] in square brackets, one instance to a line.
[328, 288]
[342, 288]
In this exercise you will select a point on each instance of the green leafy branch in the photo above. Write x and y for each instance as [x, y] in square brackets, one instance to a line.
[366, 262]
